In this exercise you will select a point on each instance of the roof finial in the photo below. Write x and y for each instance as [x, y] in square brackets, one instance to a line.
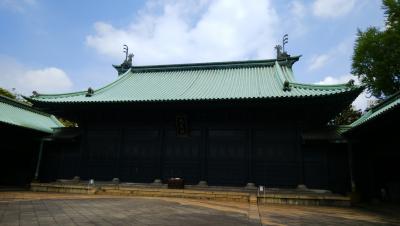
[128, 57]
[126, 50]
[285, 41]
[280, 49]
[127, 64]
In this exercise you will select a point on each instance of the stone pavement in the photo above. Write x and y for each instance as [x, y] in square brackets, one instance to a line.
[27, 208]
[318, 215]
[30, 208]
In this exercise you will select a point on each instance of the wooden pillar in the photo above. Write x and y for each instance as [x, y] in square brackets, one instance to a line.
[78, 171]
[120, 147]
[351, 169]
[203, 156]
[40, 154]
[250, 182]
[36, 178]
[162, 148]
[371, 171]
[299, 141]
[84, 153]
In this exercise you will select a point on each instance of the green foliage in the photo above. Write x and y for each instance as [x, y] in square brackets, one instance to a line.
[392, 13]
[376, 58]
[7, 93]
[347, 116]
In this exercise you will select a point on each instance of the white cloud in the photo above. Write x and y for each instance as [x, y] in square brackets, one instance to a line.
[25, 80]
[46, 80]
[342, 50]
[318, 61]
[295, 21]
[17, 5]
[361, 102]
[297, 9]
[332, 8]
[186, 31]
[329, 80]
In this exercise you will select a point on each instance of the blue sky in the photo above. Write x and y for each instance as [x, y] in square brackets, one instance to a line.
[63, 46]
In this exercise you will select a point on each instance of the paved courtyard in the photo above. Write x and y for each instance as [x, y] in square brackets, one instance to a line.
[28, 208]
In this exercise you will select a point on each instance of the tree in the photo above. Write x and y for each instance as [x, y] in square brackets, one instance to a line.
[347, 116]
[376, 54]
[7, 93]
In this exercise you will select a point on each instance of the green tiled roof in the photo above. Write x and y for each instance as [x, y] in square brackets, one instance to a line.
[205, 81]
[20, 114]
[377, 111]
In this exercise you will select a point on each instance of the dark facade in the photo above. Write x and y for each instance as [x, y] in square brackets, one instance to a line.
[19, 147]
[375, 148]
[223, 143]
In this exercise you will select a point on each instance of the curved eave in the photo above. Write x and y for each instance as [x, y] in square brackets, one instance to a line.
[303, 96]
[375, 114]
[39, 96]
[44, 130]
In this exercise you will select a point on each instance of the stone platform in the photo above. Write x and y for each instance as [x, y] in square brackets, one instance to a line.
[236, 194]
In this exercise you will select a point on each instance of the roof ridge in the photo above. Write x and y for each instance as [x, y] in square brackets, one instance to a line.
[318, 86]
[212, 65]
[392, 101]
[54, 94]
[39, 95]
[386, 101]
[279, 73]
[120, 78]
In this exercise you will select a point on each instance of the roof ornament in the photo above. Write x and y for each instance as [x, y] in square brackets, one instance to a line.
[128, 57]
[285, 40]
[280, 49]
[126, 51]
[127, 64]
[89, 92]
[286, 86]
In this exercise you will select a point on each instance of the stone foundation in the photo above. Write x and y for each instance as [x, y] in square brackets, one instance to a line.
[291, 197]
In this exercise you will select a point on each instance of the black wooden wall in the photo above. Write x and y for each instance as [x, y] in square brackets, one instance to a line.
[19, 149]
[222, 147]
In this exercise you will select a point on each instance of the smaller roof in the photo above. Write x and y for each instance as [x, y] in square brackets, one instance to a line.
[20, 114]
[376, 112]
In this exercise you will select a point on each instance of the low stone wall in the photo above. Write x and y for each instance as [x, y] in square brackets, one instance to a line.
[176, 193]
[305, 199]
[233, 196]
[64, 188]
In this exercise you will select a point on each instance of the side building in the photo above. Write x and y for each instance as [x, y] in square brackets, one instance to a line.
[23, 130]
[374, 141]
[226, 123]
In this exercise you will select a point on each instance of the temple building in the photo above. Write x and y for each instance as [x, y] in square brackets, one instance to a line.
[23, 130]
[239, 123]
[374, 141]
